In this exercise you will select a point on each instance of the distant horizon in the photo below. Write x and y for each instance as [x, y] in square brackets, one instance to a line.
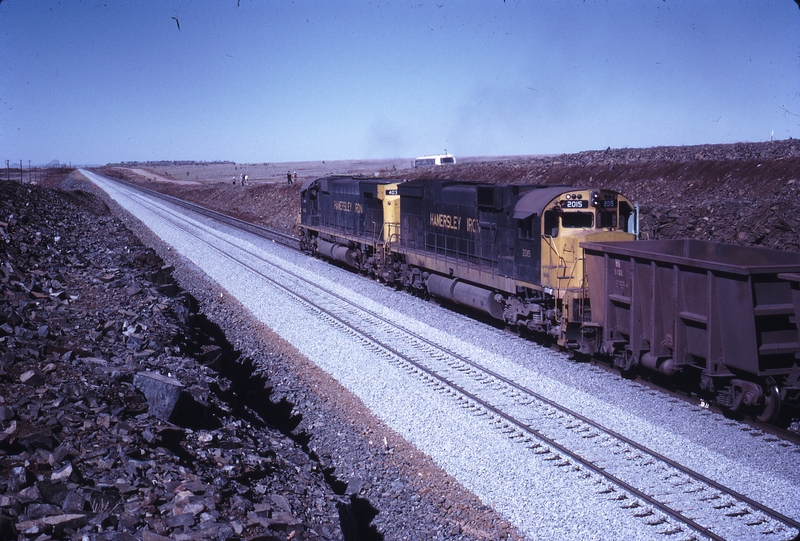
[12, 167]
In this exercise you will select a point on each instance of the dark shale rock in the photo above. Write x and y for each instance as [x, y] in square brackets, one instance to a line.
[108, 428]
[162, 393]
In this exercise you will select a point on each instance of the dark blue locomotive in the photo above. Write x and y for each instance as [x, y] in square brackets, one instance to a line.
[509, 251]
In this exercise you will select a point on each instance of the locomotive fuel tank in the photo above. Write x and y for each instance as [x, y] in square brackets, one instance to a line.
[337, 252]
[464, 294]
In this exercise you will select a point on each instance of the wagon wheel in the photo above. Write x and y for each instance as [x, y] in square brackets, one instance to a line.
[627, 360]
[772, 403]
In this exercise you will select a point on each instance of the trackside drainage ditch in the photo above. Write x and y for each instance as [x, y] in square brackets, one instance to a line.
[248, 397]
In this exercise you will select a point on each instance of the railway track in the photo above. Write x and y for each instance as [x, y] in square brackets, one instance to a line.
[790, 435]
[674, 500]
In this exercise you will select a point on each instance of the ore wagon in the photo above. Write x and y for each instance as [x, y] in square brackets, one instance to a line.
[720, 316]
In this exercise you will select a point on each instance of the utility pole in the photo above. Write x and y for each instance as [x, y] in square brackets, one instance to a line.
[29, 171]
[20, 171]
[8, 171]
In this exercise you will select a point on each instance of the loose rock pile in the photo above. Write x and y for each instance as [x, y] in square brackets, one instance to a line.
[89, 316]
[742, 193]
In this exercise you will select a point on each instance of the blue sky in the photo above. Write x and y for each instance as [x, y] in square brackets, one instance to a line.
[99, 81]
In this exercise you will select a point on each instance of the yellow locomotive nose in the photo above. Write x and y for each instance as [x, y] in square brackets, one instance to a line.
[576, 217]
[568, 220]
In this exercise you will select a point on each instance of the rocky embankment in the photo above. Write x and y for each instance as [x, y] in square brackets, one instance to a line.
[90, 321]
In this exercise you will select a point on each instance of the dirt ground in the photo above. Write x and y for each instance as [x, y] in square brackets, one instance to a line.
[743, 193]
[257, 173]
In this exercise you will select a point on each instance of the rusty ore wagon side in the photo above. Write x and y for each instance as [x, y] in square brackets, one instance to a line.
[720, 316]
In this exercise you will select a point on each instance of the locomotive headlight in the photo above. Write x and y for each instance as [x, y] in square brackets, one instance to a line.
[595, 199]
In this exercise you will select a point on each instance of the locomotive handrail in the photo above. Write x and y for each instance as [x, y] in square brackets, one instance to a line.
[571, 275]
[554, 249]
[393, 237]
[375, 236]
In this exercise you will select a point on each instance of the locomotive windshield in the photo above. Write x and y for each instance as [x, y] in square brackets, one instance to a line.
[577, 220]
[575, 211]
[569, 220]
[607, 219]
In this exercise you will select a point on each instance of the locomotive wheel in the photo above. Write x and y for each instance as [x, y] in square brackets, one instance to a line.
[772, 404]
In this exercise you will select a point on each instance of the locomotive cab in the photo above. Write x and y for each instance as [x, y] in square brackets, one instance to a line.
[553, 222]
[575, 217]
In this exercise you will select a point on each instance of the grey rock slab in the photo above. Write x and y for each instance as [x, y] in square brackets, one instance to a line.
[162, 393]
